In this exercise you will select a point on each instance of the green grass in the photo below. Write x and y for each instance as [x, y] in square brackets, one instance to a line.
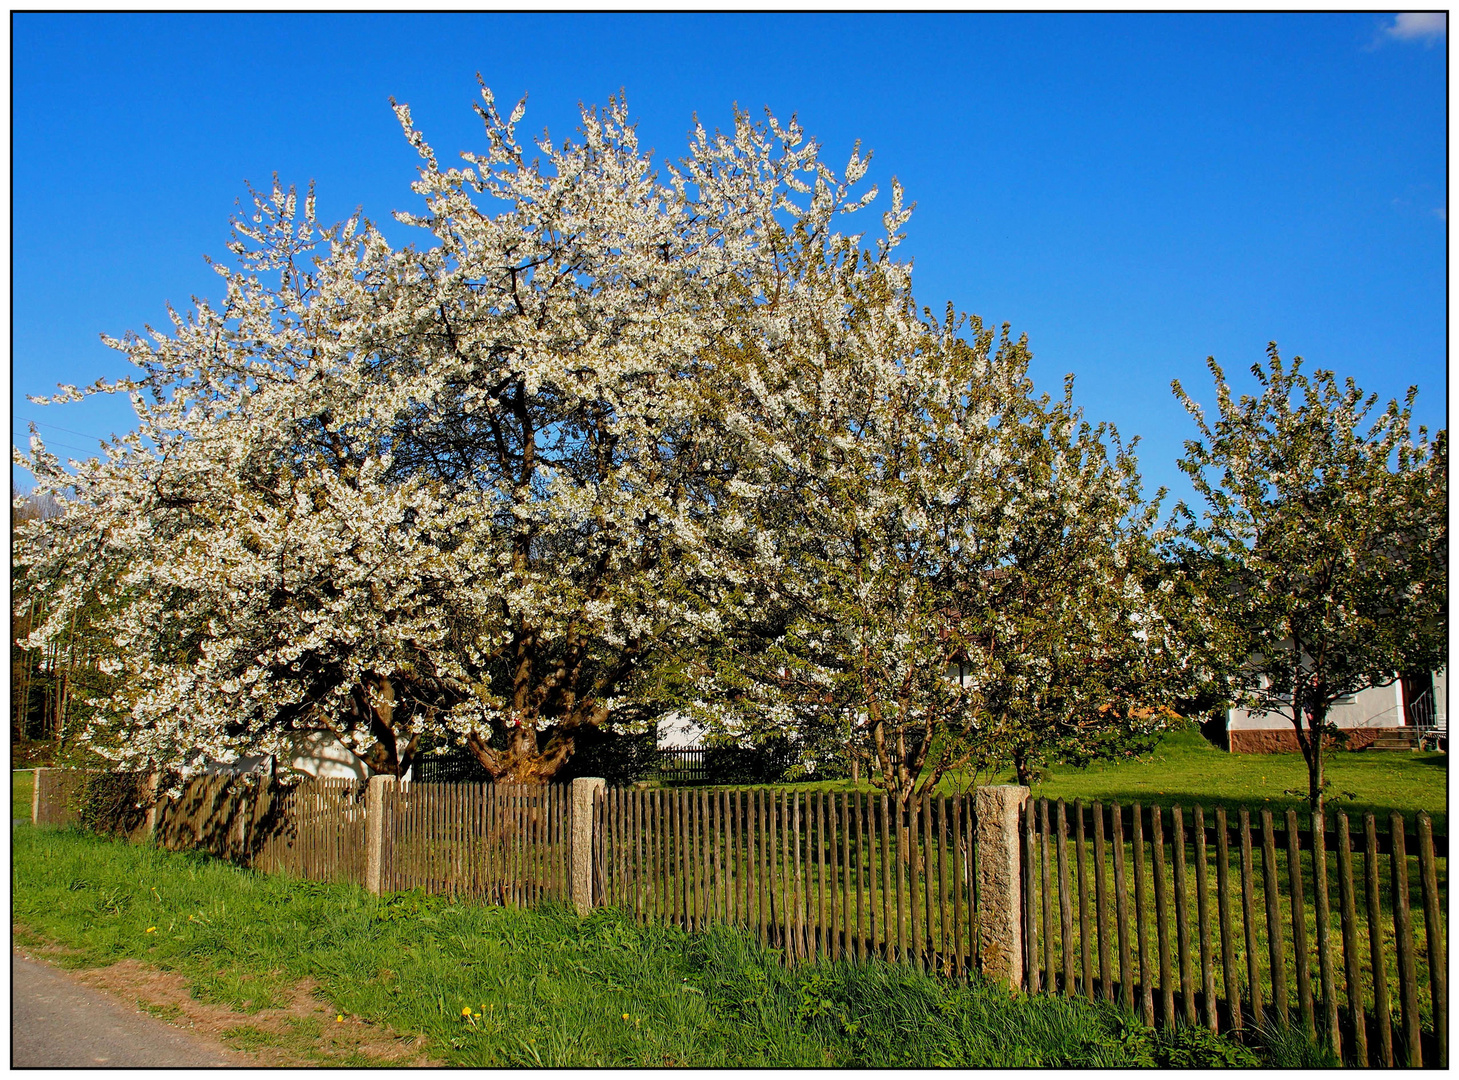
[542, 987]
[1185, 769]
[21, 785]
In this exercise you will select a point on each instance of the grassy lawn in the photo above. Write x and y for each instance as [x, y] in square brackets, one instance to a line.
[487, 986]
[21, 785]
[1186, 769]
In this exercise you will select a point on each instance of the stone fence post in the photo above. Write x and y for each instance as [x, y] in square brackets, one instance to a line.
[38, 782]
[375, 832]
[1000, 878]
[584, 789]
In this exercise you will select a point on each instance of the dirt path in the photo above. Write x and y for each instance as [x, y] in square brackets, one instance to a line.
[56, 1022]
[99, 1017]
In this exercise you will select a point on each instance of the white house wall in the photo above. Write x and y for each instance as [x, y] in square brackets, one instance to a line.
[1378, 706]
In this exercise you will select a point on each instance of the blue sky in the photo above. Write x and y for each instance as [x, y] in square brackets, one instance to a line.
[1135, 192]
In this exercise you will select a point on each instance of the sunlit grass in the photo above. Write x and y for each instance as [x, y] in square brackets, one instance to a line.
[491, 986]
[21, 786]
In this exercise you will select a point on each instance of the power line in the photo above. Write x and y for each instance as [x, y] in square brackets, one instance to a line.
[58, 427]
[68, 446]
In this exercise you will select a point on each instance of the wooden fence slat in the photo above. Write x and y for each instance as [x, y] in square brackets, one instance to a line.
[841, 833]
[1147, 991]
[1085, 957]
[1182, 916]
[827, 937]
[685, 862]
[649, 874]
[888, 898]
[664, 808]
[927, 862]
[1299, 926]
[707, 831]
[800, 828]
[1434, 939]
[1357, 1019]
[1248, 920]
[1101, 905]
[1323, 915]
[689, 852]
[784, 879]
[1066, 905]
[610, 841]
[1375, 943]
[736, 863]
[860, 916]
[969, 849]
[1122, 907]
[946, 951]
[1030, 900]
[911, 862]
[1403, 933]
[1162, 919]
[706, 884]
[836, 863]
[769, 854]
[650, 870]
[728, 811]
[1045, 897]
[1276, 948]
[1203, 921]
[922, 858]
[757, 848]
[1229, 976]
[790, 868]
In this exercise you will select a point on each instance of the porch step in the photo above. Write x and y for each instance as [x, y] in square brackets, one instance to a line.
[1398, 738]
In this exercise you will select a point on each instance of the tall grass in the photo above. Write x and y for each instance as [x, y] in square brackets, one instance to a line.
[22, 783]
[490, 986]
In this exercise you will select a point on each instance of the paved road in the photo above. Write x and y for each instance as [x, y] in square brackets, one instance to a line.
[55, 1022]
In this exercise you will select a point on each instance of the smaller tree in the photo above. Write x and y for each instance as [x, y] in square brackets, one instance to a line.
[1083, 662]
[1322, 550]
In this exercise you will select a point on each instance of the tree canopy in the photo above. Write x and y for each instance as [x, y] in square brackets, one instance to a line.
[1322, 549]
[602, 423]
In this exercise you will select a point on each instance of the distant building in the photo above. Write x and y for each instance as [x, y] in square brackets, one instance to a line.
[677, 732]
[1412, 703]
[315, 753]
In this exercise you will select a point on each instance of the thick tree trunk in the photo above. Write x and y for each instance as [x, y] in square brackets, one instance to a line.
[522, 761]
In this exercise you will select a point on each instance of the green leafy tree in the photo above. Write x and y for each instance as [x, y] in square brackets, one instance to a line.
[965, 564]
[1083, 661]
[1321, 553]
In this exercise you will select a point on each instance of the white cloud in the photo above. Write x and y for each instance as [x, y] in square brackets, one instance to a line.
[1425, 26]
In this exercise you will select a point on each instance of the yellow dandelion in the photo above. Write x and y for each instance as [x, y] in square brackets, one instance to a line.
[466, 1011]
[625, 1016]
[339, 1019]
[150, 930]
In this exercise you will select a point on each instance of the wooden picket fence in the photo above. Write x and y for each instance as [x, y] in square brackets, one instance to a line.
[681, 765]
[1098, 922]
[55, 796]
[506, 844]
[818, 875]
[1184, 916]
[313, 829]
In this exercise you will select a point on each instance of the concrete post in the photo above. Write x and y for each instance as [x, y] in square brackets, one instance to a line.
[149, 792]
[375, 832]
[35, 796]
[583, 791]
[1000, 877]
